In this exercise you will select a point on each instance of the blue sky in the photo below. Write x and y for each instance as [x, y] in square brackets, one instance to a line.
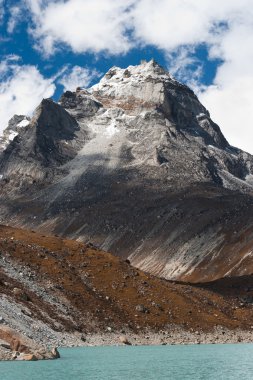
[51, 45]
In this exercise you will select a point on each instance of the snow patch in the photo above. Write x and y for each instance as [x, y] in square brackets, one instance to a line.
[249, 179]
[213, 147]
[12, 135]
[111, 130]
[23, 123]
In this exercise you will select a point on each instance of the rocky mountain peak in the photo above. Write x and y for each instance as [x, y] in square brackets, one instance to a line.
[53, 121]
[144, 71]
[134, 88]
[150, 88]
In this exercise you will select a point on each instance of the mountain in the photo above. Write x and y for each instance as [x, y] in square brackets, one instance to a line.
[136, 166]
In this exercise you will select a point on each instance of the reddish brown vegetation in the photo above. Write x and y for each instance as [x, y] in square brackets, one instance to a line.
[101, 290]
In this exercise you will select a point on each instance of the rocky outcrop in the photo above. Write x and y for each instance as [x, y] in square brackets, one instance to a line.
[81, 103]
[19, 347]
[135, 165]
[124, 340]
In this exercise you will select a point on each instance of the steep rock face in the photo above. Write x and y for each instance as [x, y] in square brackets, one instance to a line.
[80, 103]
[136, 165]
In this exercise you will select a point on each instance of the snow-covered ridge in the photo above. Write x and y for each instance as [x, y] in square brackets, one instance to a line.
[143, 82]
[137, 73]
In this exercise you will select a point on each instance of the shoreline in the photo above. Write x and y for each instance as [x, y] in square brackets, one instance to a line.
[173, 337]
[219, 336]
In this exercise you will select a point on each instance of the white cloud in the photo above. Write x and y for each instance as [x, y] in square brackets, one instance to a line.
[15, 18]
[83, 25]
[170, 24]
[230, 98]
[77, 77]
[231, 106]
[1, 10]
[7, 65]
[185, 66]
[21, 89]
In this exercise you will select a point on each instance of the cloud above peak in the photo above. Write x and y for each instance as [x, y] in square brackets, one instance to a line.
[116, 26]
[82, 25]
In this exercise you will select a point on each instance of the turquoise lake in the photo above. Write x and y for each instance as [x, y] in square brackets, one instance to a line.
[230, 361]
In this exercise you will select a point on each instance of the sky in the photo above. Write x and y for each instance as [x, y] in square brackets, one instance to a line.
[48, 46]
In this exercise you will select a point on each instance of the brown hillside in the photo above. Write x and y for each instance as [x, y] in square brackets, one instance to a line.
[74, 287]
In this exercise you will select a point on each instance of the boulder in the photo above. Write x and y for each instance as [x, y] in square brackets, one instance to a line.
[41, 355]
[24, 348]
[142, 309]
[5, 345]
[21, 294]
[123, 339]
[27, 357]
[55, 353]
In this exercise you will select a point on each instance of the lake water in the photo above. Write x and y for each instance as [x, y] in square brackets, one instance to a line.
[230, 361]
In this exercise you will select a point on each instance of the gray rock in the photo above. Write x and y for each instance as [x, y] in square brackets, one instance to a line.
[124, 340]
[5, 345]
[55, 353]
[142, 309]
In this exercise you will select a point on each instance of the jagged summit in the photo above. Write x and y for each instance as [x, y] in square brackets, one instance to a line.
[146, 71]
[136, 165]
[135, 88]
